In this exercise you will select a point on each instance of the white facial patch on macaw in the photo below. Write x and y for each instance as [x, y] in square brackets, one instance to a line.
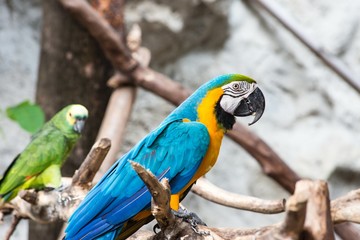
[234, 92]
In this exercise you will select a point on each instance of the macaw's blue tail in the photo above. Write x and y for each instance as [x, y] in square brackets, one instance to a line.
[92, 235]
[109, 236]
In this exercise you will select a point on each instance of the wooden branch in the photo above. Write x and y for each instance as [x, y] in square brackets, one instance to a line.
[114, 122]
[14, 223]
[318, 225]
[84, 175]
[121, 102]
[329, 60]
[101, 30]
[171, 227]
[209, 191]
[170, 90]
[347, 231]
[307, 212]
[294, 221]
[346, 208]
[160, 206]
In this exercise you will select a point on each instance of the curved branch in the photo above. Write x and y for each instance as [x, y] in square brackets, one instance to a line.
[346, 208]
[204, 188]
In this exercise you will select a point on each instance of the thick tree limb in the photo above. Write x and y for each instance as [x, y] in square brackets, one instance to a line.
[318, 225]
[113, 125]
[307, 213]
[112, 45]
[209, 191]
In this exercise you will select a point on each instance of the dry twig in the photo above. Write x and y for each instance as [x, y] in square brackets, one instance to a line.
[14, 223]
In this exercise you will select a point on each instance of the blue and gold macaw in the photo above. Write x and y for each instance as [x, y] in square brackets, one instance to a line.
[183, 148]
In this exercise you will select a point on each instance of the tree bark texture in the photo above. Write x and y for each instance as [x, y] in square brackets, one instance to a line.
[72, 69]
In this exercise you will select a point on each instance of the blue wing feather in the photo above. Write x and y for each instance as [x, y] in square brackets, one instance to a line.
[173, 150]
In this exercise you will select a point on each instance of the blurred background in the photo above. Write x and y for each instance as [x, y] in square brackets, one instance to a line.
[312, 117]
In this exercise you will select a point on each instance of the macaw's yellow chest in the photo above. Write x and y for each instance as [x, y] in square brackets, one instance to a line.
[207, 116]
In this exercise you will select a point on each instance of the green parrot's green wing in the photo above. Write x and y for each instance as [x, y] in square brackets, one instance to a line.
[49, 148]
[39, 164]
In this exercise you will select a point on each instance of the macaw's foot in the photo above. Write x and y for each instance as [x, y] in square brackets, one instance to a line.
[192, 218]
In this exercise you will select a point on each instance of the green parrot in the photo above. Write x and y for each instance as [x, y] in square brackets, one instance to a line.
[38, 166]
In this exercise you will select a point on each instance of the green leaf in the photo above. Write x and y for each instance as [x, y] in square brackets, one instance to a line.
[29, 116]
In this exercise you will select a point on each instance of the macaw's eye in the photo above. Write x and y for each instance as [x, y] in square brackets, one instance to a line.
[70, 114]
[236, 86]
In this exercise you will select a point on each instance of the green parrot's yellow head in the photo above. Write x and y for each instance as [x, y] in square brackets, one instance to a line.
[76, 116]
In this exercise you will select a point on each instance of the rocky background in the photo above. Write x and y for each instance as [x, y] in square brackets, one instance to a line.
[312, 117]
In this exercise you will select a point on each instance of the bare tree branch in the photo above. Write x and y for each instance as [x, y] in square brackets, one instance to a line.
[14, 223]
[171, 227]
[113, 125]
[85, 174]
[121, 102]
[209, 191]
[318, 225]
[346, 208]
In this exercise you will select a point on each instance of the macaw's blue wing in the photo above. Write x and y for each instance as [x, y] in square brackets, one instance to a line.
[174, 150]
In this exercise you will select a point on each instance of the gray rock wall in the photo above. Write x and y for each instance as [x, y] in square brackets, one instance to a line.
[311, 119]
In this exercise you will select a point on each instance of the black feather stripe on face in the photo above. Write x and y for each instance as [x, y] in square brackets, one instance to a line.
[226, 120]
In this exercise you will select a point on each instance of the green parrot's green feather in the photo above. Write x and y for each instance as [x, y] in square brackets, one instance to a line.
[38, 166]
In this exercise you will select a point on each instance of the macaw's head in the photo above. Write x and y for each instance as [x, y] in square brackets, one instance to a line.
[233, 95]
[76, 116]
[242, 97]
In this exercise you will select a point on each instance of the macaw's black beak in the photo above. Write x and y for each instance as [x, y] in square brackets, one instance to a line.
[254, 104]
[79, 125]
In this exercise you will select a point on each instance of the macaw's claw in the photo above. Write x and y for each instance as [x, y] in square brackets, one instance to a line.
[192, 218]
[156, 228]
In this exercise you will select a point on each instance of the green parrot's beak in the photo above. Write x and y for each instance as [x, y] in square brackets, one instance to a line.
[79, 125]
[254, 104]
